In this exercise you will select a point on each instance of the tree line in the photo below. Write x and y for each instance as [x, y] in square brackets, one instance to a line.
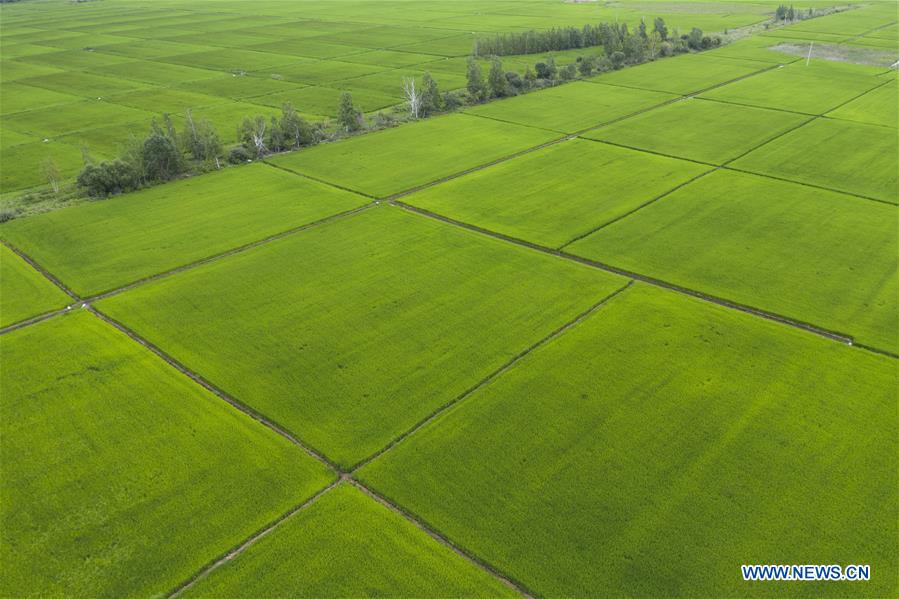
[612, 37]
[166, 152]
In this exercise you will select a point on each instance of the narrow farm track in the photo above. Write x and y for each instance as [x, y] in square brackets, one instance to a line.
[491, 377]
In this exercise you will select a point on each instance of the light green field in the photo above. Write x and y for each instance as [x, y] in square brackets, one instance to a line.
[156, 73]
[231, 60]
[102, 245]
[573, 107]
[817, 153]
[686, 74]
[428, 150]
[350, 333]
[711, 132]
[756, 48]
[877, 107]
[166, 100]
[231, 86]
[23, 291]
[348, 545]
[28, 160]
[59, 120]
[552, 195]
[122, 477]
[812, 255]
[323, 100]
[18, 97]
[84, 84]
[316, 72]
[657, 446]
[814, 89]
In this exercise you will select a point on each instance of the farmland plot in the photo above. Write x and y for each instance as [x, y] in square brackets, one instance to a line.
[700, 130]
[817, 153]
[29, 159]
[573, 107]
[812, 255]
[555, 194]
[682, 75]
[99, 246]
[654, 448]
[23, 291]
[348, 545]
[121, 476]
[349, 333]
[877, 107]
[814, 89]
[426, 151]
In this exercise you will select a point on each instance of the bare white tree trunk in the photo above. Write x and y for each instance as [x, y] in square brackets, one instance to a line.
[413, 96]
[259, 137]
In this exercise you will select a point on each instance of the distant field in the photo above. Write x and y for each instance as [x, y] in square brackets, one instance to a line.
[628, 454]
[868, 170]
[434, 148]
[571, 108]
[814, 89]
[26, 292]
[877, 107]
[682, 75]
[127, 476]
[709, 132]
[99, 246]
[346, 545]
[816, 256]
[349, 335]
[551, 196]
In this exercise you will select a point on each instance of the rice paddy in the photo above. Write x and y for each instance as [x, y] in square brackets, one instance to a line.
[612, 337]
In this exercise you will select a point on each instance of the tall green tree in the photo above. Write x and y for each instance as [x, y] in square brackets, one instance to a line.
[297, 130]
[431, 100]
[496, 79]
[477, 90]
[660, 28]
[348, 116]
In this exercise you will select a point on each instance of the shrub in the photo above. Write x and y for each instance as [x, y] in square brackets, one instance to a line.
[617, 59]
[238, 155]
[451, 101]
[514, 80]
[8, 215]
[107, 178]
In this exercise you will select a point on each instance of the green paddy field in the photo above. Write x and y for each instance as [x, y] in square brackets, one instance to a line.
[617, 337]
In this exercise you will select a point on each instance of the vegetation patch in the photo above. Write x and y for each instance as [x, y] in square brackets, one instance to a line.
[682, 75]
[711, 132]
[814, 256]
[573, 107]
[395, 316]
[102, 245]
[441, 146]
[817, 153]
[627, 454]
[813, 88]
[553, 195]
[26, 293]
[348, 545]
[877, 107]
[128, 476]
